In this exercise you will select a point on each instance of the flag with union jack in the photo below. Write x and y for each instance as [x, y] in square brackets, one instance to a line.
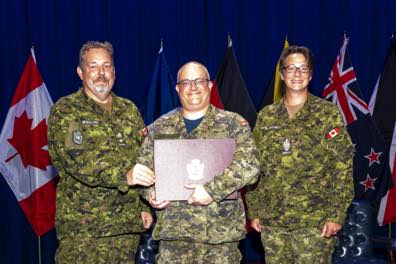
[371, 172]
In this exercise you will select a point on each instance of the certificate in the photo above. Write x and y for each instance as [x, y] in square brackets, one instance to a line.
[182, 161]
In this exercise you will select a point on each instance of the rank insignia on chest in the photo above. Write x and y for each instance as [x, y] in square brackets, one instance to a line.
[120, 139]
[77, 137]
[286, 146]
[334, 132]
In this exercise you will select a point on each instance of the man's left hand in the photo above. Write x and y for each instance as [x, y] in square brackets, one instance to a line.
[147, 219]
[199, 195]
[330, 229]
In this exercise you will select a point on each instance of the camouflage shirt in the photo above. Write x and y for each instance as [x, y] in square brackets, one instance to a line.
[92, 150]
[306, 166]
[223, 220]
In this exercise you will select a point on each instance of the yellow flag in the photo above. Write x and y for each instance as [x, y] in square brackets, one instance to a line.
[278, 81]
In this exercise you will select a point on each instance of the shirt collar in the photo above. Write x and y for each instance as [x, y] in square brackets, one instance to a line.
[306, 109]
[89, 102]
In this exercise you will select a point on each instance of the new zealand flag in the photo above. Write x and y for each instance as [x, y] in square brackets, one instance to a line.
[371, 172]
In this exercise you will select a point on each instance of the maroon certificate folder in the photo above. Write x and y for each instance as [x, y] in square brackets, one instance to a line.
[181, 161]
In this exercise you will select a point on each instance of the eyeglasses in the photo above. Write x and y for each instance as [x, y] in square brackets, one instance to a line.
[293, 68]
[199, 82]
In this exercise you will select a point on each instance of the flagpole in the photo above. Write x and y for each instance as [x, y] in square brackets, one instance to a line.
[390, 230]
[39, 249]
[38, 237]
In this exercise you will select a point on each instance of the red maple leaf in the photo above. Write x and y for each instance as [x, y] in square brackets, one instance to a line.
[29, 142]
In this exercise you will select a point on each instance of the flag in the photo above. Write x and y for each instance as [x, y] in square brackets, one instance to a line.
[384, 114]
[229, 93]
[162, 96]
[275, 89]
[231, 89]
[162, 99]
[387, 210]
[384, 109]
[24, 159]
[370, 164]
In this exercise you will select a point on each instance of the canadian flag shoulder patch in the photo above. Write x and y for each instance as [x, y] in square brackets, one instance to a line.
[144, 132]
[244, 122]
[334, 132]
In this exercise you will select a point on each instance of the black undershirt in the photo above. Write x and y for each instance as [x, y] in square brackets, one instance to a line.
[191, 124]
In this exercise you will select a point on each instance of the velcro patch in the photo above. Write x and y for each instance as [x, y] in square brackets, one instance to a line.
[334, 132]
[244, 122]
[144, 132]
[77, 137]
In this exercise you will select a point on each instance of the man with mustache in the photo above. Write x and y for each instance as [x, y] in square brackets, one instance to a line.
[93, 139]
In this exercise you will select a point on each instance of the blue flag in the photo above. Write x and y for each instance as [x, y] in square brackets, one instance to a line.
[371, 173]
[161, 99]
[162, 96]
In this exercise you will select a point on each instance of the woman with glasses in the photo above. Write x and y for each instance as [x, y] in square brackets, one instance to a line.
[306, 185]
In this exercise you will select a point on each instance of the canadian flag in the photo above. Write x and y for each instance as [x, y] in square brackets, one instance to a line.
[24, 159]
[334, 132]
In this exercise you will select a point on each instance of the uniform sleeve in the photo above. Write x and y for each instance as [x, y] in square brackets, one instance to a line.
[243, 169]
[253, 191]
[146, 157]
[340, 159]
[144, 206]
[88, 163]
[253, 201]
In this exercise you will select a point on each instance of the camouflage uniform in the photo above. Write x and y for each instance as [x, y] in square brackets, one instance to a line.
[184, 252]
[306, 178]
[92, 150]
[223, 221]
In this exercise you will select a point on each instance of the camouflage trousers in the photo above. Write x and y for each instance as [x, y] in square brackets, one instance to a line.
[116, 249]
[183, 252]
[300, 246]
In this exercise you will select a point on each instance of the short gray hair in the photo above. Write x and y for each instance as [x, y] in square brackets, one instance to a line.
[95, 45]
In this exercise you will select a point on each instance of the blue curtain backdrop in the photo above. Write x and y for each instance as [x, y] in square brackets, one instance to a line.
[190, 30]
